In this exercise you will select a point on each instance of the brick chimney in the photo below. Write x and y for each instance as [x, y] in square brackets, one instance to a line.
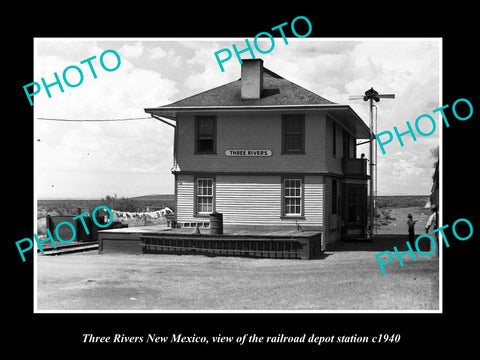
[252, 78]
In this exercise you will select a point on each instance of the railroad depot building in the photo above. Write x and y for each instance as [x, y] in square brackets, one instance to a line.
[268, 155]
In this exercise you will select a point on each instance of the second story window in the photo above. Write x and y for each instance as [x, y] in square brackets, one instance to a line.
[205, 134]
[293, 134]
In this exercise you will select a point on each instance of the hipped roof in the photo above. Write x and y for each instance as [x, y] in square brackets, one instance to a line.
[277, 93]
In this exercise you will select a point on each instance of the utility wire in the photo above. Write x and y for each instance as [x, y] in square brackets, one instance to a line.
[91, 120]
[105, 171]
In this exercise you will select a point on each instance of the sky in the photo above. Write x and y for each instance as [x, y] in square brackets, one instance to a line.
[89, 160]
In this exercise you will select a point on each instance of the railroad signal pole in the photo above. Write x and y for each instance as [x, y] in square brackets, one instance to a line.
[370, 96]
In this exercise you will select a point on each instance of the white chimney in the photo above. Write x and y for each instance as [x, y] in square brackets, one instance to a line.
[252, 78]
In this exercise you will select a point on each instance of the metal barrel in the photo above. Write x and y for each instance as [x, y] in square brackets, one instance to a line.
[216, 223]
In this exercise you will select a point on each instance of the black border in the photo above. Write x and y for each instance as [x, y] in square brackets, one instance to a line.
[421, 333]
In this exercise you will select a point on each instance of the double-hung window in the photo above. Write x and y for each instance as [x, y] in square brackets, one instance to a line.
[293, 134]
[292, 197]
[204, 195]
[205, 134]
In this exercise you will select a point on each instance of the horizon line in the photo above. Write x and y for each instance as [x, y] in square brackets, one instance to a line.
[137, 196]
[90, 198]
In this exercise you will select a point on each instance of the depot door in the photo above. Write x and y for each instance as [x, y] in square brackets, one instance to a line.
[355, 205]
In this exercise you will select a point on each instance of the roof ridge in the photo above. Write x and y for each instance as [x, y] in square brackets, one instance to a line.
[270, 72]
[280, 77]
[221, 95]
[331, 102]
[202, 92]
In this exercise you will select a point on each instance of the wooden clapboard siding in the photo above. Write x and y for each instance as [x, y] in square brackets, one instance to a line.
[252, 200]
[253, 131]
[353, 147]
[333, 162]
[332, 234]
[328, 209]
[185, 200]
[314, 199]
[249, 200]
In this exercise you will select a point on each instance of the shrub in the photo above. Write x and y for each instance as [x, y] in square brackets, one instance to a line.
[386, 214]
[120, 204]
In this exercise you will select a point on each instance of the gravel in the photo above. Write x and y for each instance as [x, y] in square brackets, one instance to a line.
[347, 278]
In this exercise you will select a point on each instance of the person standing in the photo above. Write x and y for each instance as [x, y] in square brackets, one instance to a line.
[433, 222]
[411, 229]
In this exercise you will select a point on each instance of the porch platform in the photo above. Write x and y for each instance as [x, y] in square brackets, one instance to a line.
[158, 239]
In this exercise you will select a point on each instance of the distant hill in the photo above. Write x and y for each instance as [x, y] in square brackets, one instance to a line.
[403, 201]
[138, 203]
[155, 197]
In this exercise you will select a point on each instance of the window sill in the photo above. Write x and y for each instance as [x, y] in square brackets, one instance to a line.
[202, 215]
[298, 217]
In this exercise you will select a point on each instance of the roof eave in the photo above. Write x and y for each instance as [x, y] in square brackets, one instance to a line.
[243, 107]
[171, 112]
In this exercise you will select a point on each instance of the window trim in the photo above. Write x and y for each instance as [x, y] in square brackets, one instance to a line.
[214, 135]
[300, 117]
[195, 195]
[284, 215]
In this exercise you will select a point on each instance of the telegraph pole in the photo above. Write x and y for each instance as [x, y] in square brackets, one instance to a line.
[370, 96]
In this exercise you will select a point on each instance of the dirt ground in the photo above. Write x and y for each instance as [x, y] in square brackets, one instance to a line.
[345, 278]
[397, 224]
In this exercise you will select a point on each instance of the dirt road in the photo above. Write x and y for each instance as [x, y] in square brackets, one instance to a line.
[348, 278]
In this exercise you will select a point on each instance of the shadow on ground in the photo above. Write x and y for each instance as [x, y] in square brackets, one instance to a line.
[383, 242]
